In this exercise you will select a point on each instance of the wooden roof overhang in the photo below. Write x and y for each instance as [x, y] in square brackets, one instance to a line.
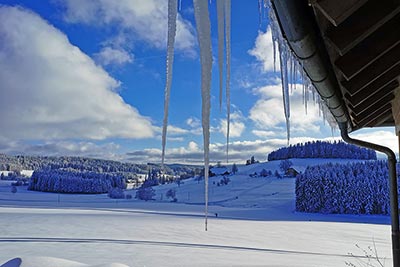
[361, 40]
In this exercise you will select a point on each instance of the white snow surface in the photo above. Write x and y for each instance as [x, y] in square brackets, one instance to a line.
[51, 262]
[252, 222]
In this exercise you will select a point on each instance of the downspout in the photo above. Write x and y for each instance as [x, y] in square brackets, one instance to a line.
[394, 211]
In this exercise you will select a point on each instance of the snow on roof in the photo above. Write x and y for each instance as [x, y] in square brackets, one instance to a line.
[219, 170]
[27, 173]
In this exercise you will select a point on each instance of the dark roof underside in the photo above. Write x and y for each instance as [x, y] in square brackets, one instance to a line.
[362, 39]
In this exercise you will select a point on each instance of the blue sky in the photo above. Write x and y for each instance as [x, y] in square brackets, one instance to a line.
[87, 78]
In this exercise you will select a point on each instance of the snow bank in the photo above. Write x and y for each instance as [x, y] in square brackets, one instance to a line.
[51, 262]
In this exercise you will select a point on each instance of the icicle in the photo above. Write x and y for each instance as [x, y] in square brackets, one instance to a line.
[220, 18]
[290, 74]
[274, 51]
[285, 86]
[274, 29]
[172, 14]
[180, 5]
[228, 72]
[260, 11]
[204, 39]
[289, 67]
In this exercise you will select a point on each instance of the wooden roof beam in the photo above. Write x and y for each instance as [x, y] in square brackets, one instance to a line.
[369, 50]
[386, 94]
[381, 119]
[373, 107]
[382, 65]
[374, 87]
[361, 24]
[372, 116]
[337, 11]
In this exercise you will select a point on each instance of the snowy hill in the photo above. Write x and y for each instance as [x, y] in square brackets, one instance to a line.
[243, 191]
[256, 225]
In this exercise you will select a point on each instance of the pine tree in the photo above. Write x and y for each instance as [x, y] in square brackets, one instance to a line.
[234, 168]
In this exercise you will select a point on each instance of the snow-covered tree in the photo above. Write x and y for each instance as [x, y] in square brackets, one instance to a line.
[264, 173]
[145, 193]
[73, 181]
[321, 149]
[171, 193]
[354, 188]
[234, 168]
[285, 165]
[14, 189]
[116, 193]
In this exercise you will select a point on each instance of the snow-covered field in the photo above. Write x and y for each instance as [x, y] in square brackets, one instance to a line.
[256, 226]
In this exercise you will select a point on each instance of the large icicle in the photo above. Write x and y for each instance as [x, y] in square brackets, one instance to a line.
[260, 10]
[285, 87]
[285, 54]
[204, 39]
[220, 19]
[228, 72]
[172, 14]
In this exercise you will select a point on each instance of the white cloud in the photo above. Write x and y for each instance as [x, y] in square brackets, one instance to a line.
[263, 51]
[61, 148]
[178, 131]
[193, 146]
[193, 122]
[267, 113]
[192, 153]
[195, 125]
[382, 137]
[236, 126]
[175, 139]
[49, 89]
[239, 151]
[264, 134]
[174, 130]
[112, 56]
[145, 19]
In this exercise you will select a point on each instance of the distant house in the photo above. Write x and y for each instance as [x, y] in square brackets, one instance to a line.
[218, 171]
[27, 173]
[5, 173]
[291, 172]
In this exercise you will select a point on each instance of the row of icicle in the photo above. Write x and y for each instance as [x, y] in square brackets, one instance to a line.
[289, 68]
[204, 39]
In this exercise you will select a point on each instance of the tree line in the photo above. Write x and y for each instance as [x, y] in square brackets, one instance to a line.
[353, 188]
[322, 149]
[73, 181]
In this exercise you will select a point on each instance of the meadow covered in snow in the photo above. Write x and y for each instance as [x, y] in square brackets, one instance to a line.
[252, 223]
